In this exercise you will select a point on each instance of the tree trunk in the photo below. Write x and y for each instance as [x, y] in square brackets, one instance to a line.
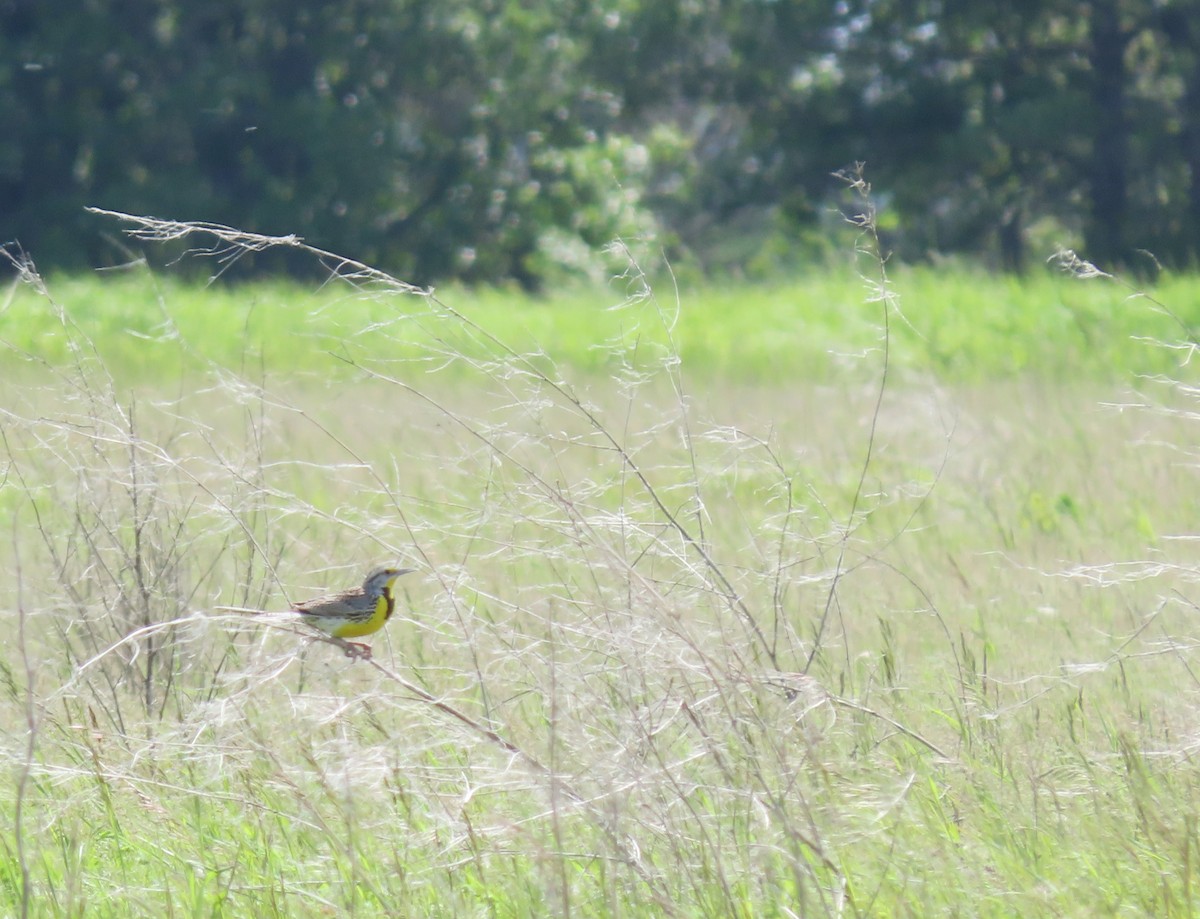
[1011, 239]
[1191, 149]
[1104, 234]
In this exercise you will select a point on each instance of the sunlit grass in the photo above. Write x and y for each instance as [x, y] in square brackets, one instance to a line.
[600, 694]
[956, 325]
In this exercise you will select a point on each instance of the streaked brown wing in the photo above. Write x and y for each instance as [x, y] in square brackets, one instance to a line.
[352, 605]
[342, 614]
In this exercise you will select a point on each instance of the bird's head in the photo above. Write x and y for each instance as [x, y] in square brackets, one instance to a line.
[382, 578]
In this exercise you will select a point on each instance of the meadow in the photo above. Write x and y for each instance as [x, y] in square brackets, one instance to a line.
[831, 596]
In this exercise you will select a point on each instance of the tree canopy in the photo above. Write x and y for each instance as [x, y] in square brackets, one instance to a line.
[496, 139]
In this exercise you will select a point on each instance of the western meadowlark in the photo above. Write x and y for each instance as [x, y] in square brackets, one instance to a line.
[355, 612]
[351, 613]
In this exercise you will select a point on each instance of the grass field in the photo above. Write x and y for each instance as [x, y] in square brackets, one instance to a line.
[957, 325]
[712, 617]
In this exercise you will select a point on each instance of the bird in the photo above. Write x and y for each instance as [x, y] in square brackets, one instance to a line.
[355, 612]
[347, 614]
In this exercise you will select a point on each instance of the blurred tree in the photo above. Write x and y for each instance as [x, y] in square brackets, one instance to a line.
[493, 139]
[431, 138]
[978, 119]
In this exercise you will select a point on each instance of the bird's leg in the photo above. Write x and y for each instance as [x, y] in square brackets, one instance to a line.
[356, 650]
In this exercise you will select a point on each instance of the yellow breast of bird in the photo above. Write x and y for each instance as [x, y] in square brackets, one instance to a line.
[383, 609]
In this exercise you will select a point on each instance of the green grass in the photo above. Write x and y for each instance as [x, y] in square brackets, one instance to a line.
[591, 702]
[957, 325]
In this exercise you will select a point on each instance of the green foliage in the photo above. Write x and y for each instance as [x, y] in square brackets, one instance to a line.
[439, 139]
[507, 141]
[960, 325]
